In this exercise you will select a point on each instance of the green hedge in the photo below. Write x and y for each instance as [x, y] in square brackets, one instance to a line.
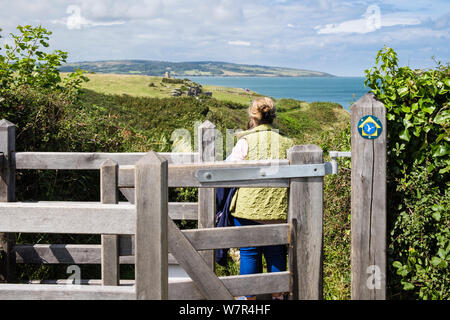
[418, 115]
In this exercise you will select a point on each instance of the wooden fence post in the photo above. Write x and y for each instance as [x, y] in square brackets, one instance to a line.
[305, 214]
[7, 194]
[151, 239]
[368, 204]
[109, 174]
[207, 196]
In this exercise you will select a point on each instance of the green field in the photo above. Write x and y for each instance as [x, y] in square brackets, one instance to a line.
[298, 119]
[148, 86]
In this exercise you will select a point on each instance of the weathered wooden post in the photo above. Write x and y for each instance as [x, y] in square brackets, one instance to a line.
[109, 174]
[7, 194]
[368, 204]
[207, 196]
[151, 240]
[305, 214]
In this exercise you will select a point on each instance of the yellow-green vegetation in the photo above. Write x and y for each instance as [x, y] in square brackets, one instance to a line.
[301, 120]
[134, 85]
[154, 87]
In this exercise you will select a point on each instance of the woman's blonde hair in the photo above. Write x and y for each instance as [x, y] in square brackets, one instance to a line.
[262, 110]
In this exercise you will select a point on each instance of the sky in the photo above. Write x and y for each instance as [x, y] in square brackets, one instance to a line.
[337, 37]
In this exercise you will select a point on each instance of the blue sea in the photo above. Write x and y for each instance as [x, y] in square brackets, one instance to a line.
[342, 90]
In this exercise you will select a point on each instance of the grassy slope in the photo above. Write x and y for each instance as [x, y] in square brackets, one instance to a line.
[137, 85]
[300, 120]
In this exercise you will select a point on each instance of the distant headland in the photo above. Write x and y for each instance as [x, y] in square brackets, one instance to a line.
[188, 69]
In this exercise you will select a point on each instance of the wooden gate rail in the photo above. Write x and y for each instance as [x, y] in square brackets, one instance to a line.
[88, 160]
[102, 218]
[202, 239]
[11, 161]
[185, 289]
[119, 218]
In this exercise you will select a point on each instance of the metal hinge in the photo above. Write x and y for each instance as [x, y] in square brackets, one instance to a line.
[269, 172]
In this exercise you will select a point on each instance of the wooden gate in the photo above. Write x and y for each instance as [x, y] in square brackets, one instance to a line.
[305, 254]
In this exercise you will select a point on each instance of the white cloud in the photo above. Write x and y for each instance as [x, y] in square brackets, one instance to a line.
[371, 21]
[270, 32]
[76, 21]
[239, 43]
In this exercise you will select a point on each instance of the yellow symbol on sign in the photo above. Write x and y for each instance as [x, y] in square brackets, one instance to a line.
[369, 128]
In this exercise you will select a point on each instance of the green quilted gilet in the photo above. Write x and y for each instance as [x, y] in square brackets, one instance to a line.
[262, 203]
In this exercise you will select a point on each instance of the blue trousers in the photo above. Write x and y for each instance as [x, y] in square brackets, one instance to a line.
[251, 257]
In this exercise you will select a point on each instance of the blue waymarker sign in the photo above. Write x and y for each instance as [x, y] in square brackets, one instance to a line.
[370, 127]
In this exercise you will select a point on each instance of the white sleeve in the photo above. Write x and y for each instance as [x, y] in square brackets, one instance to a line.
[239, 152]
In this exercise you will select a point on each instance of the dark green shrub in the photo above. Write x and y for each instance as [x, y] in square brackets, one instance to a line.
[172, 80]
[418, 114]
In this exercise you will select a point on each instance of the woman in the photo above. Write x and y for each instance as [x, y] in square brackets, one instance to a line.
[253, 206]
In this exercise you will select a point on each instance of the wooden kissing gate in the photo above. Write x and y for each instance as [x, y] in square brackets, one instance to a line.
[142, 231]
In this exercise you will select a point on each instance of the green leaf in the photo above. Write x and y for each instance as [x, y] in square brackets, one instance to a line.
[406, 109]
[440, 151]
[444, 170]
[436, 215]
[403, 91]
[397, 264]
[441, 253]
[435, 261]
[407, 286]
[390, 116]
[429, 110]
[447, 82]
[404, 135]
[442, 117]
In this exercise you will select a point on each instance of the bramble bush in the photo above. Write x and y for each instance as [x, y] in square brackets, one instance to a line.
[418, 153]
[26, 64]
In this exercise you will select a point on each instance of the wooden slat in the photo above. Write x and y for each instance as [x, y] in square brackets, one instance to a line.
[204, 239]
[235, 237]
[260, 283]
[65, 292]
[88, 160]
[207, 196]
[83, 282]
[69, 254]
[195, 266]
[68, 217]
[7, 194]
[184, 175]
[7, 148]
[58, 253]
[152, 196]
[177, 210]
[229, 237]
[368, 205]
[305, 213]
[110, 266]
